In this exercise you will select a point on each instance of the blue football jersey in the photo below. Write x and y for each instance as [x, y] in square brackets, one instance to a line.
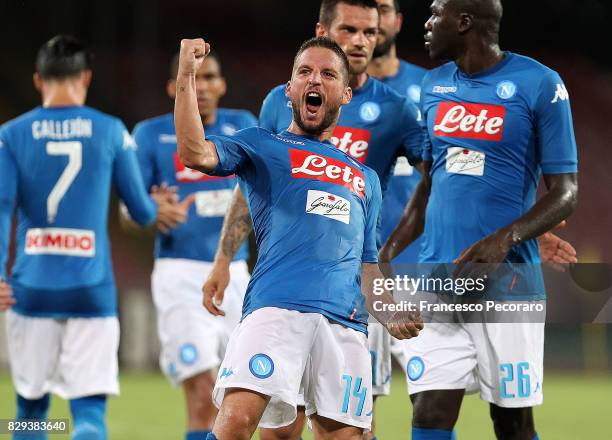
[197, 239]
[405, 178]
[57, 166]
[375, 128]
[314, 213]
[490, 136]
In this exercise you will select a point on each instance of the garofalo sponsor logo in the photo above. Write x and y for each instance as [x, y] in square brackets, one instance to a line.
[328, 205]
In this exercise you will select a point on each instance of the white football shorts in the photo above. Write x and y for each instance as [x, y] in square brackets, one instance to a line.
[73, 358]
[501, 360]
[279, 352]
[192, 340]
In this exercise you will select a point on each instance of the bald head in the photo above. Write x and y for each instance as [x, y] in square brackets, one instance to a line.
[487, 14]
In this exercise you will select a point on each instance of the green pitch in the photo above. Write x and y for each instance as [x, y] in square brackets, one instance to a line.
[575, 407]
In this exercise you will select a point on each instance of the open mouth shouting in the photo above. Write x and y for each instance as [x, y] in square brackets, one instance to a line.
[314, 102]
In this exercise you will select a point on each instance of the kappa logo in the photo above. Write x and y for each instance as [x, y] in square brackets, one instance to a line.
[415, 368]
[229, 129]
[561, 94]
[128, 141]
[444, 89]
[167, 138]
[369, 111]
[187, 175]
[261, 366]
[353, 141]
[470, 121]
[226, 372]
[307, 165]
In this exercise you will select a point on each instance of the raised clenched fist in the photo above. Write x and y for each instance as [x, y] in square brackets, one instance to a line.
[192, 55]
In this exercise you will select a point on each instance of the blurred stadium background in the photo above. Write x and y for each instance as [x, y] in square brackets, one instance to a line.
[134, 40]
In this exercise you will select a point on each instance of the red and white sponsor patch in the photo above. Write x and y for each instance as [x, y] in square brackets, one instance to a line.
[470, 121]
[353, 141]
[187, 175]
[307, 165]
[60, 241]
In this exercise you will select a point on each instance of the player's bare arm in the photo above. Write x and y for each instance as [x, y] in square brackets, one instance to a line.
[401, 324]
[194, 150]
[237, 226]
[6, 296]
[412, 222]
[548, 212]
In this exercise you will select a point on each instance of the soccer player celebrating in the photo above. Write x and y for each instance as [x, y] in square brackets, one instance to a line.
[314, 212]
[375, 128]
[57, 164]
[193, 341]
[495, 121]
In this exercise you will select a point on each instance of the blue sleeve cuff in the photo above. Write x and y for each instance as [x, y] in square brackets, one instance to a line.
[559, 168]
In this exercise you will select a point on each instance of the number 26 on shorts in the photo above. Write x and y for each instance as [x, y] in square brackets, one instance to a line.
[358, 392]
[520, 381]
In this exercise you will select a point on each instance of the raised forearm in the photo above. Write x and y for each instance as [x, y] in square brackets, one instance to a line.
[195, 152]
[237, 226]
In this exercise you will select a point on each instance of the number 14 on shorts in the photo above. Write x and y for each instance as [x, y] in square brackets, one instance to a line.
[515, 377]
[357, 391]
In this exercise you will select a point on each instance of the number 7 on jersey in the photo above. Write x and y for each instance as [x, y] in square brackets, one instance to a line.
[74, 151]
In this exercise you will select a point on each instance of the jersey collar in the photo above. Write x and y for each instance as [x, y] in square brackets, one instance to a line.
[490, 71]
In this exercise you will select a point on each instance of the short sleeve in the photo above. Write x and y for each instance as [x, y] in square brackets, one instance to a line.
[144, 153]
[412, 133]
[234, 153]
[373, 205]
[556, 143]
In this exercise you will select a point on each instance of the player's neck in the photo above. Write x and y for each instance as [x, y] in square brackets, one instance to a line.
[294, 128]
[357, 81]
[63, 96]
[386, 65]
[479, 57]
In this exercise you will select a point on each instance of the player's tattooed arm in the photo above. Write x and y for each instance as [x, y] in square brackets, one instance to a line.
[548, 212]
[236, 228]
[194, 150]
[412, 222]
[381, 305]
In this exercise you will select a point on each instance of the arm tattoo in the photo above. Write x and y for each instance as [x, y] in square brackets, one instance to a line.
[236, 225]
